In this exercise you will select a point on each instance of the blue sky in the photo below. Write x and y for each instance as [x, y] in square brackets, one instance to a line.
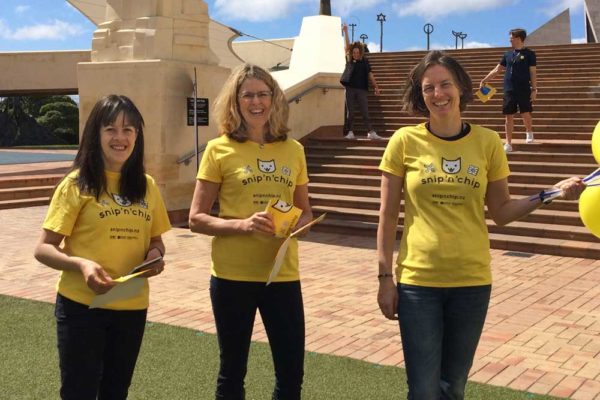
[32, 25]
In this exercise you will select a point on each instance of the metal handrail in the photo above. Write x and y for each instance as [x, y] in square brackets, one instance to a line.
[238, 32]
[325, 88]
[185, 159]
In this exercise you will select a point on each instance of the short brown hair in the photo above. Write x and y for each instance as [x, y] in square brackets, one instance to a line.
[518, 33]
[227, 110]
[413, 92]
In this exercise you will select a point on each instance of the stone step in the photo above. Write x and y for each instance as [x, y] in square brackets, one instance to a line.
[14, 181]
[26, 192]
[369, 166]
[365, 197]
[22, 203]
[510, 242]
[523, 227]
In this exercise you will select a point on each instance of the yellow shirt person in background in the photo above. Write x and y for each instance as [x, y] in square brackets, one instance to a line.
[447, 170]
[109, 216]
[252, 162]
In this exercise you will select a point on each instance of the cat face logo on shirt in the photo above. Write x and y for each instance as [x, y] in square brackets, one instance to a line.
[121, 200]
[282, 206]
[451, 166]
[266, 166]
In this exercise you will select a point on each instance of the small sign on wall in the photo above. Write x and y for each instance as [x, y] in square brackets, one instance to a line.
[201, 111]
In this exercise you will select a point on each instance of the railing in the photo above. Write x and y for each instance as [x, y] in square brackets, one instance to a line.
[186, 158]
[325, 89]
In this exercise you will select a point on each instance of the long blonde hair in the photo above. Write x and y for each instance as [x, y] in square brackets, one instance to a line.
[227, 111]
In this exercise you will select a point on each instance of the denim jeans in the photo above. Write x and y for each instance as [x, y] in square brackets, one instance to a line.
[440, 330]
[97, 350]
[280, 305]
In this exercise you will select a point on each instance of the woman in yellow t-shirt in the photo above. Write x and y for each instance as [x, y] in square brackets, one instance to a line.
[252, 162]
[447, 170]
[106, 217]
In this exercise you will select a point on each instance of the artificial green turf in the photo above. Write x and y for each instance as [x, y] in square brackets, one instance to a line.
[181, 364]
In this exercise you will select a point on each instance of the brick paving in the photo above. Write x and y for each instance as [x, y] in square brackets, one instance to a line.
[542, 333]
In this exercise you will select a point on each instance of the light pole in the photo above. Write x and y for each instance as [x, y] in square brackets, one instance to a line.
[364, 37]
[381, 19]
[456, 35]
[462, 37]
[428, 28]
[352, 26]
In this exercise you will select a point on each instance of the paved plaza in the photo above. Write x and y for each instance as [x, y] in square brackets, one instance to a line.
[542, 333]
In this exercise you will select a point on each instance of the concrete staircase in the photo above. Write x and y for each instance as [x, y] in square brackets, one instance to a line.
[345, 179]
[17, 191]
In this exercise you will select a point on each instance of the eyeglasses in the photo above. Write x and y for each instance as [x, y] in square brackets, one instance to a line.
[262, 96]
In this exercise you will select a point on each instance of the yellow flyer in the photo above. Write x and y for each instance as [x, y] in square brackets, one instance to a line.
[285, 216]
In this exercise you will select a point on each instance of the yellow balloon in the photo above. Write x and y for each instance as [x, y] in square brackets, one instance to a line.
[589, 209]
[596, 143]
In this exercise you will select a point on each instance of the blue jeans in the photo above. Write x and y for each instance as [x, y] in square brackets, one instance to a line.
[97, 350]
[440, 330]
[280, 305]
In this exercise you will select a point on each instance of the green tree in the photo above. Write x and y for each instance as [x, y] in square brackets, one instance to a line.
[38, 120]
[61, 117]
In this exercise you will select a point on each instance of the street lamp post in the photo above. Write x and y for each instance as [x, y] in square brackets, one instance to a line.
[364, 37]
[428, 28]
[381, 19]
[352, 26]
[462, 37]
[456, 36]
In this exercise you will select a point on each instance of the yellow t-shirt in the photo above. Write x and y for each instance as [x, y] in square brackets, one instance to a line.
[445, 240]
[250, 175]
[112, 232]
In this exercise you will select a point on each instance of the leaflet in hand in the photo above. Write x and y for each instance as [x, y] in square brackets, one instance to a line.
[485, 92]
[278, 262]
[285, 216]
[126, 286]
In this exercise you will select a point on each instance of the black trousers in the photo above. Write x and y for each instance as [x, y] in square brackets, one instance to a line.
[97, 350]
[280, 305]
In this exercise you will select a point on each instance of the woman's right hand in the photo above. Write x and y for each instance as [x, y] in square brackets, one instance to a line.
[387, 297]
[96, 277]
[259, 222]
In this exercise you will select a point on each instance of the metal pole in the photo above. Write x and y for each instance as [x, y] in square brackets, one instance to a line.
[381, 19]
[352, 26]
[428, 28]
[196, 118]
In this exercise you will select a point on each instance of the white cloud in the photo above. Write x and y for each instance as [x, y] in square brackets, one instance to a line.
[261, 10]
[557, 6]
[347, 7]
[578, 40]
[373, 47]
[56, 30]
[21, 9]
[432, 9]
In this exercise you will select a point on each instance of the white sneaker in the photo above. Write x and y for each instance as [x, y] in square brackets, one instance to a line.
[507, 148]
[373, 136]
[529, 138]
[350, 135]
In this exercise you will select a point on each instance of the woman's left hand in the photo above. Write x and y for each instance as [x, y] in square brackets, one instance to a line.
[571, 188]
[157, 267]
